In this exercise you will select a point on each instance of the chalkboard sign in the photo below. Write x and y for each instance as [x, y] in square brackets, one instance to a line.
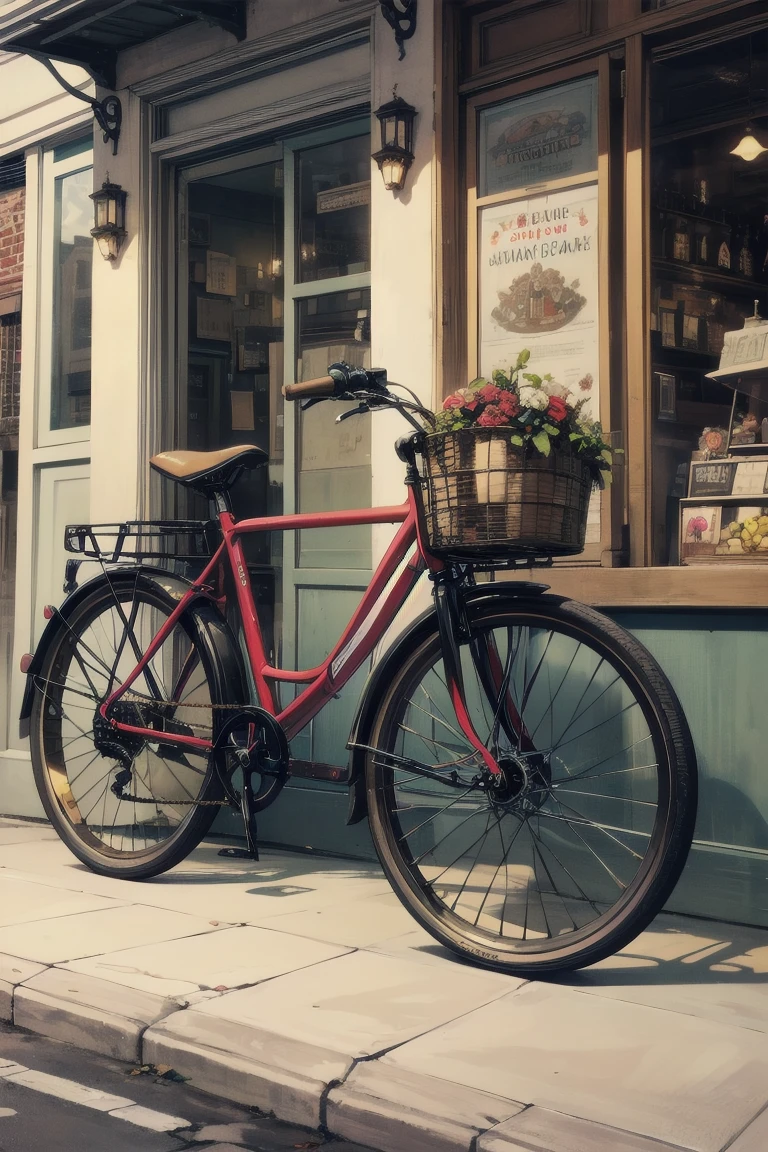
[712, 478]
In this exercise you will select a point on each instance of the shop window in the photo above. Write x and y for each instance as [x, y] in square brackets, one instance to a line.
[334, 209]
[709, 259]
[10, 374]
[71, 326]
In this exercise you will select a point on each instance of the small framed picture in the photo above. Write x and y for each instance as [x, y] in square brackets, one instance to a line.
[667, 320]
[666, 385]
[199, 230]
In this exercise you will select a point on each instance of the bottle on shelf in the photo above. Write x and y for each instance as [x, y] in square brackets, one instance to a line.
[681, 241]
[761, 250]
[746, 262]
[701, 203]
[704, 243]
[722, 245]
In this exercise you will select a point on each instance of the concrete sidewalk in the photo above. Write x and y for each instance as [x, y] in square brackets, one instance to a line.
[300, 985]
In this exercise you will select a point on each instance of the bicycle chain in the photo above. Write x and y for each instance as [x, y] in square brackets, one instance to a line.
[135, 698]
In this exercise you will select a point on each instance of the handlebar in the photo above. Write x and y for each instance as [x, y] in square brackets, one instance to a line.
[367, 386]
[324, 386]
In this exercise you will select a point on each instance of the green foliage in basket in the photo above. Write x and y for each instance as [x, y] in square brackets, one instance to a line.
[541, 415]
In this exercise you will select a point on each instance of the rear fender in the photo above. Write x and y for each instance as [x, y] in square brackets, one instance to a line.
[212, 628]
[388, 667]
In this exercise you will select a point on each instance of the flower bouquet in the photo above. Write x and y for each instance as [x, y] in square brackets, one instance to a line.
[510, 464]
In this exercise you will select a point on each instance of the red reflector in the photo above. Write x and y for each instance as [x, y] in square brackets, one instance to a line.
[25, 661]
[49, 611]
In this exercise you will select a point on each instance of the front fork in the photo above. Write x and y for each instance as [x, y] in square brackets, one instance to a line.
[454, 628]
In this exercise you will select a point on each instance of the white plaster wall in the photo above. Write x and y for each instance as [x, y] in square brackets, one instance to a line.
[403, 264]
[117, 335]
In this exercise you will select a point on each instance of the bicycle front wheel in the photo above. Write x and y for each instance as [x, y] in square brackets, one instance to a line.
[581, 842]
[127, 807]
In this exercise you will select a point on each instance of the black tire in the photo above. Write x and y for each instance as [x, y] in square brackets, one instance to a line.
[118, 835]
[550, 872]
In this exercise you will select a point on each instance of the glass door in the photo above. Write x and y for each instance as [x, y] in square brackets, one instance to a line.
[273, 286]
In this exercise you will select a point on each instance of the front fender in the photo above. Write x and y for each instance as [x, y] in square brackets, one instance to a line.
[387, 668]
[173, 586]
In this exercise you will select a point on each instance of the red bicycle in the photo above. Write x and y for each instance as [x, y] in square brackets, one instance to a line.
[524, 764]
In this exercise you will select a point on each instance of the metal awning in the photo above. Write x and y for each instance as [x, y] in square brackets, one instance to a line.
[91, 33]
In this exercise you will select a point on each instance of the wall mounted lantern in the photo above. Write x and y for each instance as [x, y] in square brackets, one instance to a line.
[109, 219]
[395, 156]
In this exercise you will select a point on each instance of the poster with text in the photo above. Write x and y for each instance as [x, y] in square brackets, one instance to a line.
[538, 289]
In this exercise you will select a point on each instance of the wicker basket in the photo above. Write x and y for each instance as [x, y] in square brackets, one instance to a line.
[483, 498]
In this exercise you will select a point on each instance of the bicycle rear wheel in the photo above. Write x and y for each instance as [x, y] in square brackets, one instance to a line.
[126, 806]
[583, 841]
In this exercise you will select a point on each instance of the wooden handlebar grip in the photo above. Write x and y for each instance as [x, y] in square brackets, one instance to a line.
[323, 386]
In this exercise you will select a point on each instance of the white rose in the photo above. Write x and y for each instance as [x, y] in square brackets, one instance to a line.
[533, 398]
[572, 399]
[552, 388]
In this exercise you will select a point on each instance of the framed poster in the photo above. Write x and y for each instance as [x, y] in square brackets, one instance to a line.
[547, 135]
[538, 281]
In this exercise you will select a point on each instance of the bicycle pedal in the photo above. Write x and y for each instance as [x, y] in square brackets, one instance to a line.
[238, 853]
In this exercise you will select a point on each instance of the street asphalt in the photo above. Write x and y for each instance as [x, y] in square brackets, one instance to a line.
[67, 1099]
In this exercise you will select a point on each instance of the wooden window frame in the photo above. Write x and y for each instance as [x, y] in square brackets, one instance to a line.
[596, 579]
[608, 550]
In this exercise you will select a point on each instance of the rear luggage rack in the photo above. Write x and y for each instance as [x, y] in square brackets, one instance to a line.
[135, 540]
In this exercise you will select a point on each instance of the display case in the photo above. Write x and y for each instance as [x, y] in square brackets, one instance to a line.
[725, 513]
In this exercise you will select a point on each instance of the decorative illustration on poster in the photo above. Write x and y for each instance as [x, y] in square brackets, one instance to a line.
[538, 276]
[548, 135]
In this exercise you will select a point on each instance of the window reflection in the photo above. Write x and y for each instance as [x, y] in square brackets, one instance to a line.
[72, 256]
[335, 209]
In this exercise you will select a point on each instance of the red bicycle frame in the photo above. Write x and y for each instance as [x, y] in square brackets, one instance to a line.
[365, 629]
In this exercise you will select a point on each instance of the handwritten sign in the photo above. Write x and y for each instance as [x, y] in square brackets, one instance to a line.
[713, 478]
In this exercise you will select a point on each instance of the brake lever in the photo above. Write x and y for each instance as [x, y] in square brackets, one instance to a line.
[315, 400]
[362, 407]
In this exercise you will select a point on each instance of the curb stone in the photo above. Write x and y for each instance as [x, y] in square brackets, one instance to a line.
[411, 1113]
[83, 1010]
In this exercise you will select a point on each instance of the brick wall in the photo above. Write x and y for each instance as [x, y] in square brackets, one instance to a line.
[11, 240]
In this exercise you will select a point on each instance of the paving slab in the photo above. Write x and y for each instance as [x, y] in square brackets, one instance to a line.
[235, 891]
[424, 1114]
[694, 967]
[13, 971]
[754, 1138]
[285, 1041]
[232, 958]
[540, 1130]
[94, 933]
[87, 1012]
[359, 923]
[689, 1082]
[19, 833]
[26, 901]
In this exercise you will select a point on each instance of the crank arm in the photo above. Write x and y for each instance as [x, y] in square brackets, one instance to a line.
[453, 779]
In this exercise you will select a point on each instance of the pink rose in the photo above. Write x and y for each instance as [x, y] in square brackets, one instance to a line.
[557, 409]
[454, 401]
[509, 404]
[492, 417]
[489, 394]
[470, 405]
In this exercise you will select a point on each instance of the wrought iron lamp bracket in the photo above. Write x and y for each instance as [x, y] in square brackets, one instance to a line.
[108, 112]
[401, 17]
